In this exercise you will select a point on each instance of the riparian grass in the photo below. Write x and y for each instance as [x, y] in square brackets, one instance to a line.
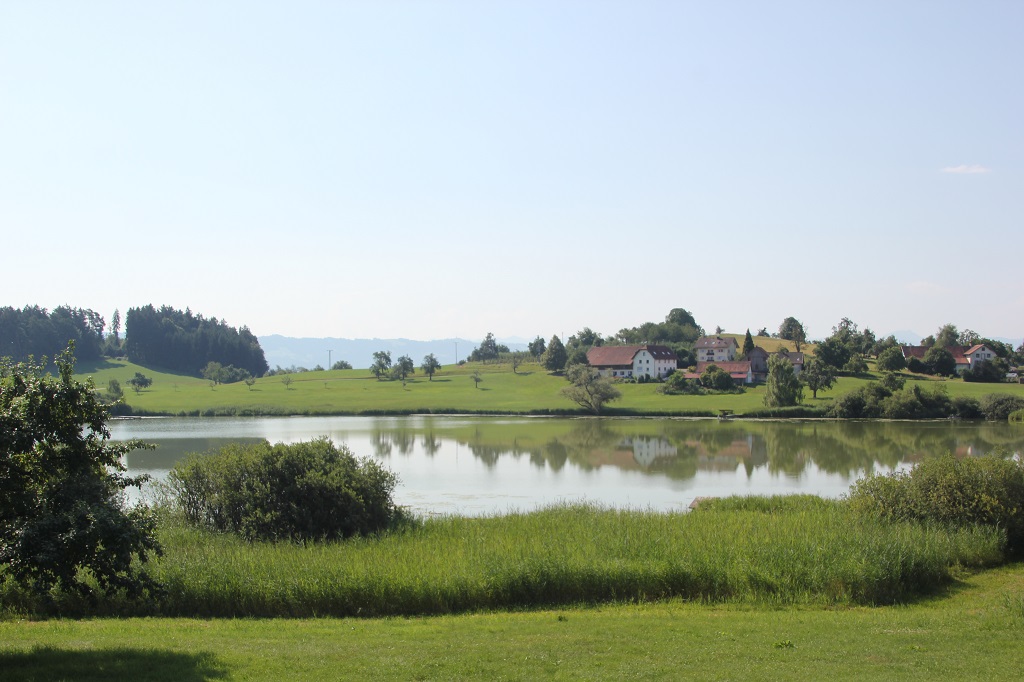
[807, 551]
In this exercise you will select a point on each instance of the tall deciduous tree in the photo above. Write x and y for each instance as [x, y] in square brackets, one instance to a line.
[891, 360]
[430, 366]
[791, 328]
[782, 388]
[940, 361]
[588, 388]
[381, 363]
[62, 515]
[403, 368]
[818, 376]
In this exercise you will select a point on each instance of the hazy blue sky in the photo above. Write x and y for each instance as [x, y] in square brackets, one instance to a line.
[438, 169]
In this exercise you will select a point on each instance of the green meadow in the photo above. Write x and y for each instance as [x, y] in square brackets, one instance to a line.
[531, 390]
[970, 631]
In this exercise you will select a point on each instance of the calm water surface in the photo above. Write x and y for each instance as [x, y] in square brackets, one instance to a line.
[483, 465]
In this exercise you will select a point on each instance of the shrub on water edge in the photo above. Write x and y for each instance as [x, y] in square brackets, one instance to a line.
[1017, 417]
[986, 491]
[999, 406]
[304, 491]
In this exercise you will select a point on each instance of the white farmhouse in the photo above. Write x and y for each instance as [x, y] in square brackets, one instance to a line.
[633, 361]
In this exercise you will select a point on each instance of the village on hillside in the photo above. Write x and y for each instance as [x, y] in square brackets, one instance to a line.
[657, 362]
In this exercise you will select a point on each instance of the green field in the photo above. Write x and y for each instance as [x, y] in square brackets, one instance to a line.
[530, 391]
[972, 631]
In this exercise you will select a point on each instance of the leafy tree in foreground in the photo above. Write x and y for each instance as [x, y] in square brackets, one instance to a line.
[782, 389]
[430, 366]
[818, 376]
[61, 480]
[588, 388]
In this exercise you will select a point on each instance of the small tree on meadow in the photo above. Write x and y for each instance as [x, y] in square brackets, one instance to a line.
[430, 366]
[588, 388]
[818, 376]
[139, 382]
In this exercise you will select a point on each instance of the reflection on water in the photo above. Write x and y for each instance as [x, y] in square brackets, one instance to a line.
[487, 465]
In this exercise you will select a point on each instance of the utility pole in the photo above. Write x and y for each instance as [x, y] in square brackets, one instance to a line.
[329, 351]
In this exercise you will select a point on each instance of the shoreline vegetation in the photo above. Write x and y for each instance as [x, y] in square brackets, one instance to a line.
[467, 389]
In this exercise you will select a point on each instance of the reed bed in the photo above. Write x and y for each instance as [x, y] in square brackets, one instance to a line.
[817, 553]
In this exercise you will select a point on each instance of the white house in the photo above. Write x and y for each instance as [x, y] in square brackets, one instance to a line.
[633, 361]
[716, 349]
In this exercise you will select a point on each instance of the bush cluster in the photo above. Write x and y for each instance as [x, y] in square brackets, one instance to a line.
[876, 401]
[304, 491]
[987, 491]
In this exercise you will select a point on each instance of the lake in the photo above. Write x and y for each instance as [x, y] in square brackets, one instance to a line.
[477, 466]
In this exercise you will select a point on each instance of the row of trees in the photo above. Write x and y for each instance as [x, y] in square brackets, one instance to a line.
[401, 368]
[34, 331]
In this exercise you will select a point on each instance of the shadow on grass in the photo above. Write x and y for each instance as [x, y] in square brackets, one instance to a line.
[90, 366]
[51, 663]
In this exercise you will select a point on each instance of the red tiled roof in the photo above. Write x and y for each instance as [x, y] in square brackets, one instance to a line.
[622, 356]
[918, 351]
[975, 348]
[730, 367]
[612, 356]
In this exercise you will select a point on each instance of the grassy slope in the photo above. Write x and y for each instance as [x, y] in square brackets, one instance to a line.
[973, 632]
[452, 390]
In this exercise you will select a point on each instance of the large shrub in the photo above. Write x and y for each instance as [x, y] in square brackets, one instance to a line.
[304, 491]
[960, 492]
[999, 406]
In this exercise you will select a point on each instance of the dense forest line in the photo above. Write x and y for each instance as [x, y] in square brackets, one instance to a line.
[165, 337]
[186, 342]
[34, 331]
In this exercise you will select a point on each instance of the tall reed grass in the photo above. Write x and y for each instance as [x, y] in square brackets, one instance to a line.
[792, 552]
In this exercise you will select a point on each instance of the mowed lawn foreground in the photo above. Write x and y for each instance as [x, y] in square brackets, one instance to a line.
[501, 391]
[973, 631]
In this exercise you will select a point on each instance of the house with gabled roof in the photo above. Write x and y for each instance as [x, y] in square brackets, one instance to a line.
[630, 362]
[966, 357]
[716, 349]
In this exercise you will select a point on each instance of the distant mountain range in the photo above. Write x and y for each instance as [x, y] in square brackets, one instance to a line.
[286, 351]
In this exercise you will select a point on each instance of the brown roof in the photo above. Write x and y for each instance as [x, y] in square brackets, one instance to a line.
[736, 367]
[918, 351]
[715, 342]
[975, 348]
[622, 356]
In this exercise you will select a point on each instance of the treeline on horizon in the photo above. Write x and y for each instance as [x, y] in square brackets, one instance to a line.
[175, 340]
